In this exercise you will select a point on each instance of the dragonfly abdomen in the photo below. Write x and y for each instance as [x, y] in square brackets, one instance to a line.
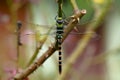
[59, 37]
[59, 42]
[60, 30]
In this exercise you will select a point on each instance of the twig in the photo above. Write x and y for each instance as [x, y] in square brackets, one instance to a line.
[84, 41]
[39, 46]
[13, 7]
[34, 56]
[73, 2]
[50, 51]
[19, 25]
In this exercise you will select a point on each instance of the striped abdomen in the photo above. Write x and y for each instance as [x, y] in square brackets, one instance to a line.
[59, 37]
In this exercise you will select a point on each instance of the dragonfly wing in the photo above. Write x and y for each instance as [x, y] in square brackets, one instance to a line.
[94, 34]
[41, 29]
[80, 29]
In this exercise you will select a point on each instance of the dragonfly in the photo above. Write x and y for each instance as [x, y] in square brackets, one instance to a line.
[59, 33]
[56, 30]
[41, 32]
[52, 32]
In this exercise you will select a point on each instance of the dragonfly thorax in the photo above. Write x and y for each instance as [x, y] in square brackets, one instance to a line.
[60, 21]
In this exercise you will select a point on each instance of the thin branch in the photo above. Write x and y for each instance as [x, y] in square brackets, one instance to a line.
[37, 50]
[50, 51]
[34, 56]
[13, 7]
[74, 4]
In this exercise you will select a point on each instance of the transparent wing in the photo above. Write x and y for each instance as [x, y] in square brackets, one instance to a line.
[46, 30]
[41, 33]
[42, 29]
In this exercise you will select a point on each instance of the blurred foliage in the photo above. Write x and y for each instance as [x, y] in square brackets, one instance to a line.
[86, 4]
[44, 11]
[117, 5]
